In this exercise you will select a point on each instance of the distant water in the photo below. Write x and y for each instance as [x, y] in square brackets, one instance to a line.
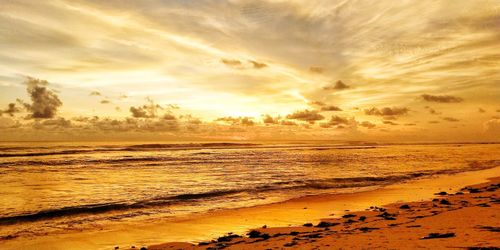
[55, 187]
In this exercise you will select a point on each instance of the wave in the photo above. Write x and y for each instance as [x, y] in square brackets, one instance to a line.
[285, 186]
[139, 147]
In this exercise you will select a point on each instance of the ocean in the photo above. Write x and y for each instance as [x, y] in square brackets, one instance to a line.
[50, 188]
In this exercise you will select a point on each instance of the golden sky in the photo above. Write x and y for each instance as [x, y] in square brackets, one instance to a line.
[409, 70]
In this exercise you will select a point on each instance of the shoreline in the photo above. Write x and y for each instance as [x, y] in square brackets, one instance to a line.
[203, 227]
[466, 219]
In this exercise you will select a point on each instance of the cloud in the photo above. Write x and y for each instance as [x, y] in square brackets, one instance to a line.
[288, 123]
[480, 110]
[306, 115]
[337, 121]
[318, 70]
[432, 111]
[450, 119]
[169, 117]
[95, 93]
[317, 103]
[387, 111]
[149, 110]
[232, 63]
[390, 123]
[434, 122]
[58, 123]
[44, 101]
[441, 98]
[367, 124]
[267, 119]
[330, 108]
[492, 127]
[257, 65]
[105, 102]
[245, 121]
[10, 110]
[339, 85]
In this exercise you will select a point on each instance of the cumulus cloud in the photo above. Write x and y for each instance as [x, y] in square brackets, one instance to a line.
[387, 111]
[441, 98]
[337, 121]
[44, 101]
[339, 85]
[450, 119]
[330, 108]
[310, 116]
[10, 110]
[149, 110]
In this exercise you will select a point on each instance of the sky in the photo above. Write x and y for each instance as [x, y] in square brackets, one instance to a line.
[402, 71]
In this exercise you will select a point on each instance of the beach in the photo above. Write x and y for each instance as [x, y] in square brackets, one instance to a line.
[288, 217]
[466, 219]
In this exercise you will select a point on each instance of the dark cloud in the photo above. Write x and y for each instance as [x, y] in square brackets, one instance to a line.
[44, 101]
[441, 98]
[450, 119]
[105, 102]
[232, 63]
[95, 93]
[480, 110]
[169, 117]
[317, 70]
[257, 65]
[306, 115]
[10, 110]
[410, 124]
[387, 111]
[339, 85]
[367, 124]
[336, 121]
[390, 123]
[433, 122]
[330, 108]
[149, 110]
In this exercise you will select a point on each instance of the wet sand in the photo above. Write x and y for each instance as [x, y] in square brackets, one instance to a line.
[280, 218]
[468, 219]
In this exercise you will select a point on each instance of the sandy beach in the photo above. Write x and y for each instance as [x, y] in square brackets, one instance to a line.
[467, 218]
[472, 217]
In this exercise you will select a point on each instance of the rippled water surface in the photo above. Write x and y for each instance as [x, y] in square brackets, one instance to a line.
[60, 186]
